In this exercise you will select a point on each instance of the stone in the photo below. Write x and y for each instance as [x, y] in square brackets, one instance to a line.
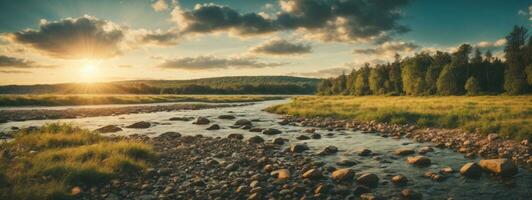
[471, 170]
[75, 191]
[283, 122]
[278, 141]
[170, 135]
[108, 129]
[343, 175]
[271, 131]
[243, 122]
[409, 194]
[255, 130]
[316, 136]
[368, 179]
[185, 119]
[214, 127]
[420, 161]
[281, 174]
[328, 151]
[399, 180]
[140, 125]
[361, 189]
[235, 136]
[255, 140]
[312, 174]
[501, 167]
[493, 137]
[364, 152]
[425, 150]
[404, 151]
[201, 121]
[368, 196]
[310, 130]
[226, 117]
[298, 148]
[302, 137]
[346, 163]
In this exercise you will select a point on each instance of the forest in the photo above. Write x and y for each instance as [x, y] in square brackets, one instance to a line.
[467, 71]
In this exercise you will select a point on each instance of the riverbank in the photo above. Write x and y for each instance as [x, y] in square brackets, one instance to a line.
[508, 116]
[42, 114]
[76, 100]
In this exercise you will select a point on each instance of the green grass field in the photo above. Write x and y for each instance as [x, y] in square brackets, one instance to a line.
[69, 100]
[46, 164]
[510, 116]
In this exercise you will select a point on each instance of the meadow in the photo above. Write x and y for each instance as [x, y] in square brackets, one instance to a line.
[49, 162]
[509, 116]
[70, 100]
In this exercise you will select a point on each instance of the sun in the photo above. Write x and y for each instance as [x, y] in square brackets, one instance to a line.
[89, 71]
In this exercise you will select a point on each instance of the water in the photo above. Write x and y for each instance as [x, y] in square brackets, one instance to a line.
[455, 186]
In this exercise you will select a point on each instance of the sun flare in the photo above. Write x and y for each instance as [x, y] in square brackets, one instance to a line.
[89, 71]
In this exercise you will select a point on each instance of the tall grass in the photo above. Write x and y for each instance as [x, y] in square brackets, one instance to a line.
[65, 100]
[48, 162]
[510, 116]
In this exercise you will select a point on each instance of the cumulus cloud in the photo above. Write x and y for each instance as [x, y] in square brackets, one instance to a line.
[73, 38]
[212, 62]
[388, 48]
[282, 47]
[335, 20]
[12, 62]
[491, 45]
[160, 5]
[157, 37]
[525, 13]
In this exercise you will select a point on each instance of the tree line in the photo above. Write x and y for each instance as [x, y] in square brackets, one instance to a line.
[466, 71]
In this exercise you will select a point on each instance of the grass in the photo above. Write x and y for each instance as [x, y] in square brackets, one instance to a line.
[510, 116]
[47, 163]
[67, 100]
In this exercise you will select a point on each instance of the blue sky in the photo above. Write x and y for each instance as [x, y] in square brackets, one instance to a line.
[133, 40]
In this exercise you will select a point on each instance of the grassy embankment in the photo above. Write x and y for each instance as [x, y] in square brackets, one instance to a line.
[510, 116]
[67, 100]
[48, 163]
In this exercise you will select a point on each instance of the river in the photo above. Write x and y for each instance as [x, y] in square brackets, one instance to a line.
[455, 186]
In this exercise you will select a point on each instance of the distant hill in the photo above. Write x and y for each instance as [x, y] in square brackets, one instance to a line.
[217, 85]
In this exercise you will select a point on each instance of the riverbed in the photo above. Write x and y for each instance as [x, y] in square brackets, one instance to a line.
[384, 164]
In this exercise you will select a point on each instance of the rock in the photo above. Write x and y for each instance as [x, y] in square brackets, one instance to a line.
[302, 137]
[164, 171]
[361, 189]
[278, 141]
[170, 135]
[316, 136]
[343, 175]
[322, 188]
[281, 174]
[312, 174]
[403, 151]
[447, 170]
[471, 170]
[214, 127]
[328, 151]
[420, 161]
[492, 137]
[235, 136]
[268, 168]
[346, 163]
[298, 148]
[243, 122]
[201, 121]
[502, 167]
[256, 130]
[255, 140]
[75, 191]
[399, 180]
[271, 131]
[185, 119]
[364, 152]
[425, 150]
[434, 176]
[368, 196]
[108, 129]
[283, 122]
[310, 130]
[226, 117]
[368, 179]
[409, 194]
[139, 125]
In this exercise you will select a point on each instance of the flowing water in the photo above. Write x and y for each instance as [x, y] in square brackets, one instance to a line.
[455, 186]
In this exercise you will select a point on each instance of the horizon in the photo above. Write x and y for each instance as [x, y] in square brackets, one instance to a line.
[101, 41]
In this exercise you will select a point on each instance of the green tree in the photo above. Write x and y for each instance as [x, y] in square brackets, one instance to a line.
[378, 80]
[394, 74]
[448, 83]
[439, 60]
[514, 75]
[361, 81]
[472, 86]
[413, 73]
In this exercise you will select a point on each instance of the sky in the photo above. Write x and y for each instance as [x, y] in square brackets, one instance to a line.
[59, 41]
